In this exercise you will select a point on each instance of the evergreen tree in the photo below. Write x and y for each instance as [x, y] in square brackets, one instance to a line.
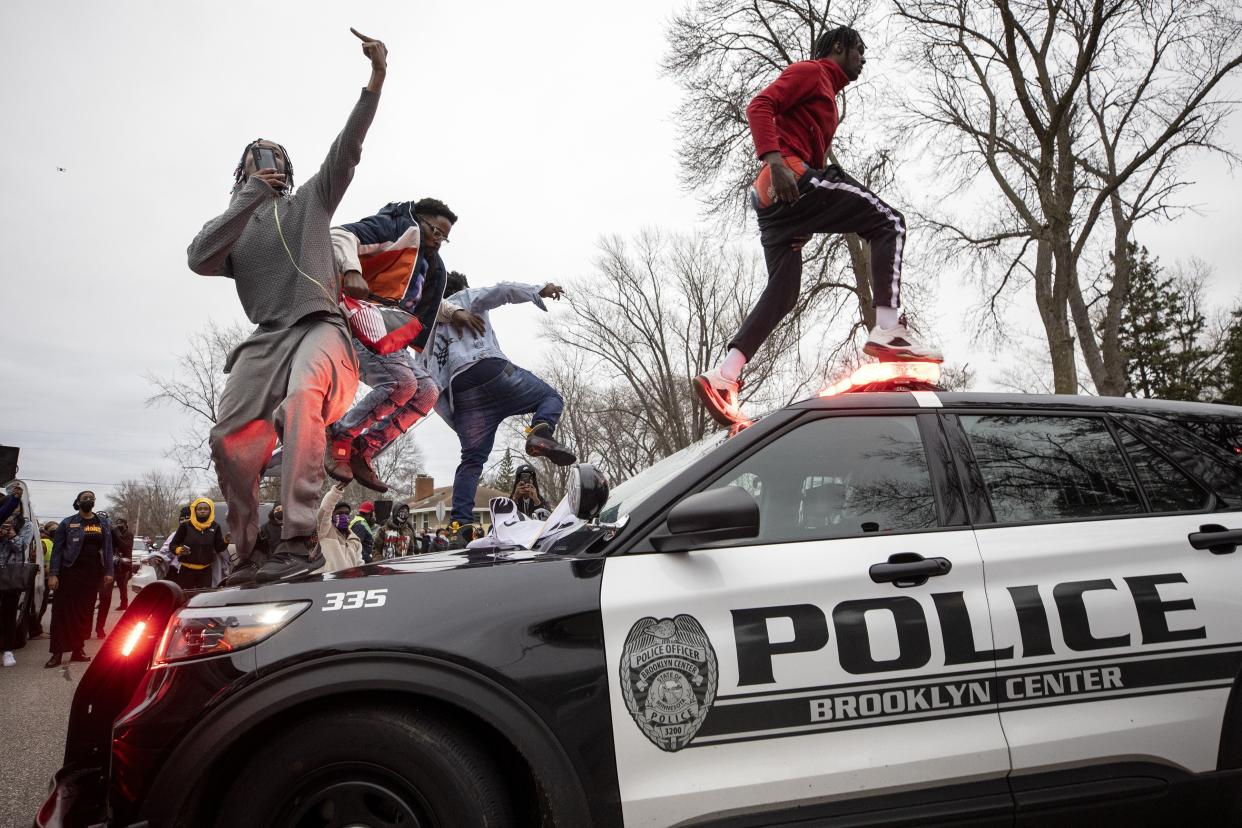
[1163, 336]
[1231, 363]
[503, 477]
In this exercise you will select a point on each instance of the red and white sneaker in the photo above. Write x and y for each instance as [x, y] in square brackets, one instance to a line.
[899, 344]
[719, 396]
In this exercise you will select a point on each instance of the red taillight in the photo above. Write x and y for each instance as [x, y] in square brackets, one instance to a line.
[131, 640]
[874, 372]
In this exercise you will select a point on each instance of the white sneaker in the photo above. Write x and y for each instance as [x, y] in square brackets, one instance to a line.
[9, 661]
[719, 396]
[898, 343]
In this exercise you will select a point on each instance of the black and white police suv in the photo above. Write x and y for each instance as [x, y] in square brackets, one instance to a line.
[890, 607]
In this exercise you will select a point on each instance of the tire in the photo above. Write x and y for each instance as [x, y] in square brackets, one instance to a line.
[369, 766]
[21, 629]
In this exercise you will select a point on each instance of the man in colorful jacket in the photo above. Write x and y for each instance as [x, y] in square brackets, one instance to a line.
[392, 257]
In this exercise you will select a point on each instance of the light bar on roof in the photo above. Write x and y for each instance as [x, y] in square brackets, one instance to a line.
[874, 372]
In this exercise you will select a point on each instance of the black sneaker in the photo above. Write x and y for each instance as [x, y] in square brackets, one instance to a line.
[243, 574]
[541, 443]
[293, 557]
[361, 467]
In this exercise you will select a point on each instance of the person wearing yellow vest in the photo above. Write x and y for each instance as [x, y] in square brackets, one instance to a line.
[196, 543]
[363, 526]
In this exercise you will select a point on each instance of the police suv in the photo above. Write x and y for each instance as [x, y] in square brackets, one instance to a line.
[887, 605]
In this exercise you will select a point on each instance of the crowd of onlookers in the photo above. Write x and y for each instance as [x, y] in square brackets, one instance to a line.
[90, 554]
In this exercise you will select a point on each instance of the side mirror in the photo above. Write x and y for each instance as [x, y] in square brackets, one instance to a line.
[588, 491]
[701, 519]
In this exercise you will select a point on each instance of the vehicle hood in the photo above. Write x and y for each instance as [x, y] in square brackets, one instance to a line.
[348, 579]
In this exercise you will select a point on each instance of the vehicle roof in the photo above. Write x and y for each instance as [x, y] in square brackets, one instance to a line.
[974, 399]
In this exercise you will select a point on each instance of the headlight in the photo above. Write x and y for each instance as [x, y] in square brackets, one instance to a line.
[197, 632]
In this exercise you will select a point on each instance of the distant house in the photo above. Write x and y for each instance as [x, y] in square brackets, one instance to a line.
[423, 512]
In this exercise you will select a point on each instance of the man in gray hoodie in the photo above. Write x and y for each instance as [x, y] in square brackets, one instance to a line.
[481, 388]
[296, 374]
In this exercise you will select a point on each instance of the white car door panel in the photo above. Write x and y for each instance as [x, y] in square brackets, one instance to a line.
[1126, 640]
[1128, 652]
[786, 670]
[788, 721]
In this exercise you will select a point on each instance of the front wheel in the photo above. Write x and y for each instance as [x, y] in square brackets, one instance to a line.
[378, 766]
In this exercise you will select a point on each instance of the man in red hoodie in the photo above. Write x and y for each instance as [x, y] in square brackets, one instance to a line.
[796, 195]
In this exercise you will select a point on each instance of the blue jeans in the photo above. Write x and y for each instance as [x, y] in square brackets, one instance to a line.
[402, 392]
[478, 413]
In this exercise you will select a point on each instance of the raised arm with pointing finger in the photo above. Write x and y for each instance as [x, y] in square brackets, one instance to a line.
[296, 374]
[209, 252]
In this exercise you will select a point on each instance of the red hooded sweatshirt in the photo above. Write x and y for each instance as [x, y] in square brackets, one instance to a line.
[797, 114]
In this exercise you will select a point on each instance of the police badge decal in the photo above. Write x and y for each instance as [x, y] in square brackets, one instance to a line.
[668, 679]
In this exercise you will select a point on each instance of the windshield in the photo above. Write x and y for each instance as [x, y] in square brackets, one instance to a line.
[140, 545]
[626, 497]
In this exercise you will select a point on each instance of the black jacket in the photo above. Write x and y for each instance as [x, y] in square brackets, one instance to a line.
[202, 543]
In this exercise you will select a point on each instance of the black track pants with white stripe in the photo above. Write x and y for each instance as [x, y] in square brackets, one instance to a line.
[829, 201]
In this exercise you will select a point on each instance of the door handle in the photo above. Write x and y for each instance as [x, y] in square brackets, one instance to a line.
[907, 569]
[1216, 538]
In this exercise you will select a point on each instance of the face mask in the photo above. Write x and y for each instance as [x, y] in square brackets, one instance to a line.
[279, 517]
[87, 504]
[340, 522]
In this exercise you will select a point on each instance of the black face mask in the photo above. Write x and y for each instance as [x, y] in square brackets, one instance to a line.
[86, 504]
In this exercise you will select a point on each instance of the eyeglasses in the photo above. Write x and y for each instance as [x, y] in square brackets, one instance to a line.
[436, 232]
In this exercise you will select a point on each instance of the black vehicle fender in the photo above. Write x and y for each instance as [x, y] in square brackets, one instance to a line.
[352, 675]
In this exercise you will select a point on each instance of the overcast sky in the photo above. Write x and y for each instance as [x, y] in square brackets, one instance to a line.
[543, 125]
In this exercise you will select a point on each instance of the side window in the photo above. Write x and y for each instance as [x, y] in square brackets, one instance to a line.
[1226, 434]
[1220, 470]
[1167, 487]
[1051, 468]
[839, 477]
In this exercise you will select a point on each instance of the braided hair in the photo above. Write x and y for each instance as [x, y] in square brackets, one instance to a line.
[829, 39]
[239, 172]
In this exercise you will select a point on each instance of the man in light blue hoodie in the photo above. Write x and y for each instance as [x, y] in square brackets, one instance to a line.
[481, 387]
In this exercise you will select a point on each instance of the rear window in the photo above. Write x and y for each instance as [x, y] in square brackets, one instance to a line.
[1223, 434]
[1210, 463]
[1041, 468]
[1168, 488]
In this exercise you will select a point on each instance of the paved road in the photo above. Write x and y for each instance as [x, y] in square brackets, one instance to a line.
[34, 712]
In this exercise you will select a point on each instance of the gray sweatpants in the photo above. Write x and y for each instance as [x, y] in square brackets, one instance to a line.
[289, 384]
